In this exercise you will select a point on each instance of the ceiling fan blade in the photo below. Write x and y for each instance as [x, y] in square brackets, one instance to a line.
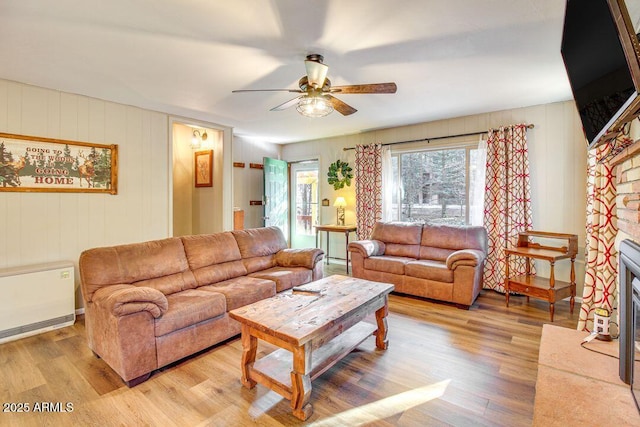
[316, 73]
[366, 88]
[340, 106]
[285, 105]
[267, 90]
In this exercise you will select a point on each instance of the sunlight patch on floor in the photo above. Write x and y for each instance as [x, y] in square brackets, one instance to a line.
[263, 404]
[385, 408]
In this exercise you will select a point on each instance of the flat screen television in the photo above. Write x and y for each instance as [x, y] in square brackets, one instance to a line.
[599, 57]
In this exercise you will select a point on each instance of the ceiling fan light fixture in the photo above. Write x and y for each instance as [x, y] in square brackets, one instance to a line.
[314, 106]
[316, 71]
[316, 94]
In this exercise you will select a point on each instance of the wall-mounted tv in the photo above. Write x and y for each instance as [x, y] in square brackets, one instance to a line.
[601, 55]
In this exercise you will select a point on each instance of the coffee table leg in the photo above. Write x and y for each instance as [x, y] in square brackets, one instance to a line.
[301, 383]
[381, 319]
[249, 350]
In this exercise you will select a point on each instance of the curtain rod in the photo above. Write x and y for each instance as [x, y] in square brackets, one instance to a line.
[529, 126]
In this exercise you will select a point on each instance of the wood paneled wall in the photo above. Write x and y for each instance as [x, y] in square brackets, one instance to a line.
[248, 182]
[43, 227]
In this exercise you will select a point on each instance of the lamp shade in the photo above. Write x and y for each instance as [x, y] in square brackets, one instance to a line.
[340, 202]
[196, 139]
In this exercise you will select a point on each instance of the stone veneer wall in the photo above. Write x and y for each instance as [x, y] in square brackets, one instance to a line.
[627, 171]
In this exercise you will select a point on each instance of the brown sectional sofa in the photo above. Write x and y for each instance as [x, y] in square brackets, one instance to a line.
[441, 262]
[153, 303]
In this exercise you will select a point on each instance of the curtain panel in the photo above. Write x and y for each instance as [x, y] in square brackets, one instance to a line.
[601, 258]
[368, 188]
[507, 201]
[477, 182]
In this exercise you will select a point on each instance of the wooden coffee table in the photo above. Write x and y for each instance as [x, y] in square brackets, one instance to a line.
[314, 327]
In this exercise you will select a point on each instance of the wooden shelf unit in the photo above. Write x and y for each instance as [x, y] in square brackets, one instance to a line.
[528, 284]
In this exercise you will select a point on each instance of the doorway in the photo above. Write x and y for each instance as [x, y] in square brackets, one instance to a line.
[276, 194]
[304, 203]
[199, 209]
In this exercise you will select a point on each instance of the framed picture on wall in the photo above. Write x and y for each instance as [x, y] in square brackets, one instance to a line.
[37, 164]
[203, 168]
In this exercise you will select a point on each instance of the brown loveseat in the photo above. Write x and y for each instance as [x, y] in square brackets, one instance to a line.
[441, 262]
[152, 303]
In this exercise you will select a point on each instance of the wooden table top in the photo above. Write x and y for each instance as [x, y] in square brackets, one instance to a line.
[538, 253]
[334, 227]
[298, 317]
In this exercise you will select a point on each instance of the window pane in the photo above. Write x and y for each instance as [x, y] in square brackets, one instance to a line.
[477, 162]
[306, 201]
[395, 196]
[434, 186]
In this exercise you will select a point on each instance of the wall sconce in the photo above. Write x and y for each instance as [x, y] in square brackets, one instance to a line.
[197, 140]
[340, 203]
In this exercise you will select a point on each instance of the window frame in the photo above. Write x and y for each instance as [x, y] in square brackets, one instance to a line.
[468, 146]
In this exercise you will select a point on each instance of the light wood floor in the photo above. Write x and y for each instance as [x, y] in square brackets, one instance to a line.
[444, 366]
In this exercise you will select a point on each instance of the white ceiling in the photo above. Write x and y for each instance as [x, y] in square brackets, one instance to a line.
[449, 58]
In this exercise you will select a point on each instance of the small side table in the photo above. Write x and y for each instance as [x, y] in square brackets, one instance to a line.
[528, 284]
[331, 228]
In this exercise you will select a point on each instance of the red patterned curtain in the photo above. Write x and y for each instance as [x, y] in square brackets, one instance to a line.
[507, 200]
[368, 188]
[601, 258]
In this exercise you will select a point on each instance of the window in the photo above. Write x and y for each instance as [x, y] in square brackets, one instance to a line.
[432, 186]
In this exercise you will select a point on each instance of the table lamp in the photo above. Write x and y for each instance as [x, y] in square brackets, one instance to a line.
[340, 203]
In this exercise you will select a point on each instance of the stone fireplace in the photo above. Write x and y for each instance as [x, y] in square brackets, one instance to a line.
[626, 166]
[627, 171]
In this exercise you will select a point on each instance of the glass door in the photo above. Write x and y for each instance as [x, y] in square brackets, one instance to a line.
[276, 194]
[304, 203]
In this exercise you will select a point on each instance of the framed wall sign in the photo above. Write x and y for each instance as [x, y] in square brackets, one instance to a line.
[31, 163]
[203, 168]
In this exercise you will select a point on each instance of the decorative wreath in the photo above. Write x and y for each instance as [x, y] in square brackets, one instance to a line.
[339, 175]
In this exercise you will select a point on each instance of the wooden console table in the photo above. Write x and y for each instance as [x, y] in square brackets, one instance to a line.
[550, 289]
[346, 229]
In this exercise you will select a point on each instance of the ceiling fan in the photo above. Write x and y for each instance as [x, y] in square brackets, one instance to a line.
[316, 99]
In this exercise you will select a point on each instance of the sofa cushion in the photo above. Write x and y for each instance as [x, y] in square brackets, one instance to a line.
[388, 264]
[399, 250]
[454, 238]
[428, 269]
[259, 263]
[258, 242]
[209, 249]
[170, 284]
[285, 277]
[189, 307]
[438, 254]
[397, 232]
[242, 291]
[219, 272]
[136, 262]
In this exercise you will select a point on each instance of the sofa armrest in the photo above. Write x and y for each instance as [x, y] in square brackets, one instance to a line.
[470, 257]
[367, 248]
[121, 300]
[307, 257]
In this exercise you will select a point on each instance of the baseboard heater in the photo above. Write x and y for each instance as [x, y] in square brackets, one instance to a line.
[35, 299]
